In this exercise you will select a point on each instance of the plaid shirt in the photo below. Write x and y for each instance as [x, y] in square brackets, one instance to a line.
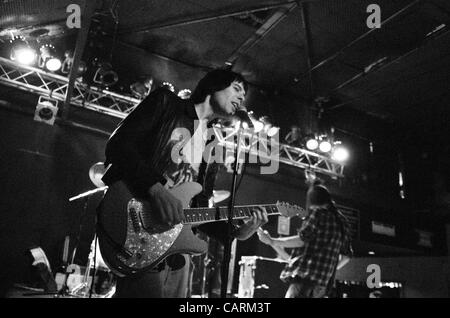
[325, 234]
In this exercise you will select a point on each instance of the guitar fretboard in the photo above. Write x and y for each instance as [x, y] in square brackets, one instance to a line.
[200, 215]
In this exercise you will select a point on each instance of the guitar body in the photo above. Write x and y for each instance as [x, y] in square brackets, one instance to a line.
[129, 240]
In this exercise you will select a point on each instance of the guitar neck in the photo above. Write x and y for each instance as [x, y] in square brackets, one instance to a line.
[204, 215]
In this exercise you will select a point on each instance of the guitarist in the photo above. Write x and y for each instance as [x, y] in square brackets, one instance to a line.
[322, 247]
[151, 153]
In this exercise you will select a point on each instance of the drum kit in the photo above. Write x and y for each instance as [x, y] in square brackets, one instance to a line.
[98, 281]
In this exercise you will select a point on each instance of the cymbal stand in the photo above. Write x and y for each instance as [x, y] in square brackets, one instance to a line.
[86, 196]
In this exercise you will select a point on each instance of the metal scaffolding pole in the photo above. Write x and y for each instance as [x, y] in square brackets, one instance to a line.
[205, 17]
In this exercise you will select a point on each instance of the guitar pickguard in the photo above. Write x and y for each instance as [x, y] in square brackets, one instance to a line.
[145, 247]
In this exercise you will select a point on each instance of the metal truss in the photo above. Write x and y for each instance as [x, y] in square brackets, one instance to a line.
[269, 149]
[55, 86]
[104, 101]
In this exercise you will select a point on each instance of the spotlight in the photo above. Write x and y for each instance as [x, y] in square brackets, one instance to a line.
[105, 75]
[46, 110]
[312, 144]
[272, 131]
[340, 154]
[21, 51]
[325, 146]
[48, 58]
[184, 93]
[268, 127]
[142, 88]
[169, 86]
[257, 125]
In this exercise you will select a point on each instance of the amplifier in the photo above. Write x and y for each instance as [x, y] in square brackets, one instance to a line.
[259, 277]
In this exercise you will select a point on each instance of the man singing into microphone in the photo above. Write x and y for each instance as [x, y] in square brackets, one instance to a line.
[140, 153]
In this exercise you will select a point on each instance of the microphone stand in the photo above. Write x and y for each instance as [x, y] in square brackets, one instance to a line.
[64, 291]
[231, 203]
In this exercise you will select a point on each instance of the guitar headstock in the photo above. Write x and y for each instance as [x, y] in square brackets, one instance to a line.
[290, 210]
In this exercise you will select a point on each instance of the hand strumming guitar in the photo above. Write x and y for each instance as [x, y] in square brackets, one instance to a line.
[265, 237]
[167, 209]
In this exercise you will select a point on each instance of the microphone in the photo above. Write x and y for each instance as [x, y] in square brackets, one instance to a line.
[242, 115]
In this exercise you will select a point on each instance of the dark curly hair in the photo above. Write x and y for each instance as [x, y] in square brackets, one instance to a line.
[214, 81]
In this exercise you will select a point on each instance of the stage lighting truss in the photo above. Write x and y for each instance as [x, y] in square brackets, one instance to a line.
[55, 86]
[107, 102]
[294, 156]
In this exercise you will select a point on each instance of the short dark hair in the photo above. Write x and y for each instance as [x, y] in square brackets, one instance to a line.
[318, 194]
[214, 81]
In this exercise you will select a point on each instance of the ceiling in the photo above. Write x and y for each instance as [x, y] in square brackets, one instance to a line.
[395, 72]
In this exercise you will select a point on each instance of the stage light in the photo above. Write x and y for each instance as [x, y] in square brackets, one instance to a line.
[325, 146]
[269, 129]
[48, 58]
[257, 125]
[312, 144]
[184, 93]
[142, 88]
[105, 75]
[46, 110]
[169, 86]
[340, 154]
[21, 51]
[272, 131]
[53, 64]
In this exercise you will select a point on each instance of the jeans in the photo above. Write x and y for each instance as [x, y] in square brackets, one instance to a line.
[165, 282]
[305, 288]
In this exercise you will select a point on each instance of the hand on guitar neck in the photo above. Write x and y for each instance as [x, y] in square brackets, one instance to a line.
[251, 225]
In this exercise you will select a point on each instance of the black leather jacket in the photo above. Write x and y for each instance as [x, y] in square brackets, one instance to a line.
[139, 150]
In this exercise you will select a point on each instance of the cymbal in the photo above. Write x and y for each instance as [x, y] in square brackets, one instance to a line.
[220, 195]
[96, 173]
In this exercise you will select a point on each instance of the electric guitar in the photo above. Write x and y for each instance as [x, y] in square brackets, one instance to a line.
[131, 242]
[291, 269]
